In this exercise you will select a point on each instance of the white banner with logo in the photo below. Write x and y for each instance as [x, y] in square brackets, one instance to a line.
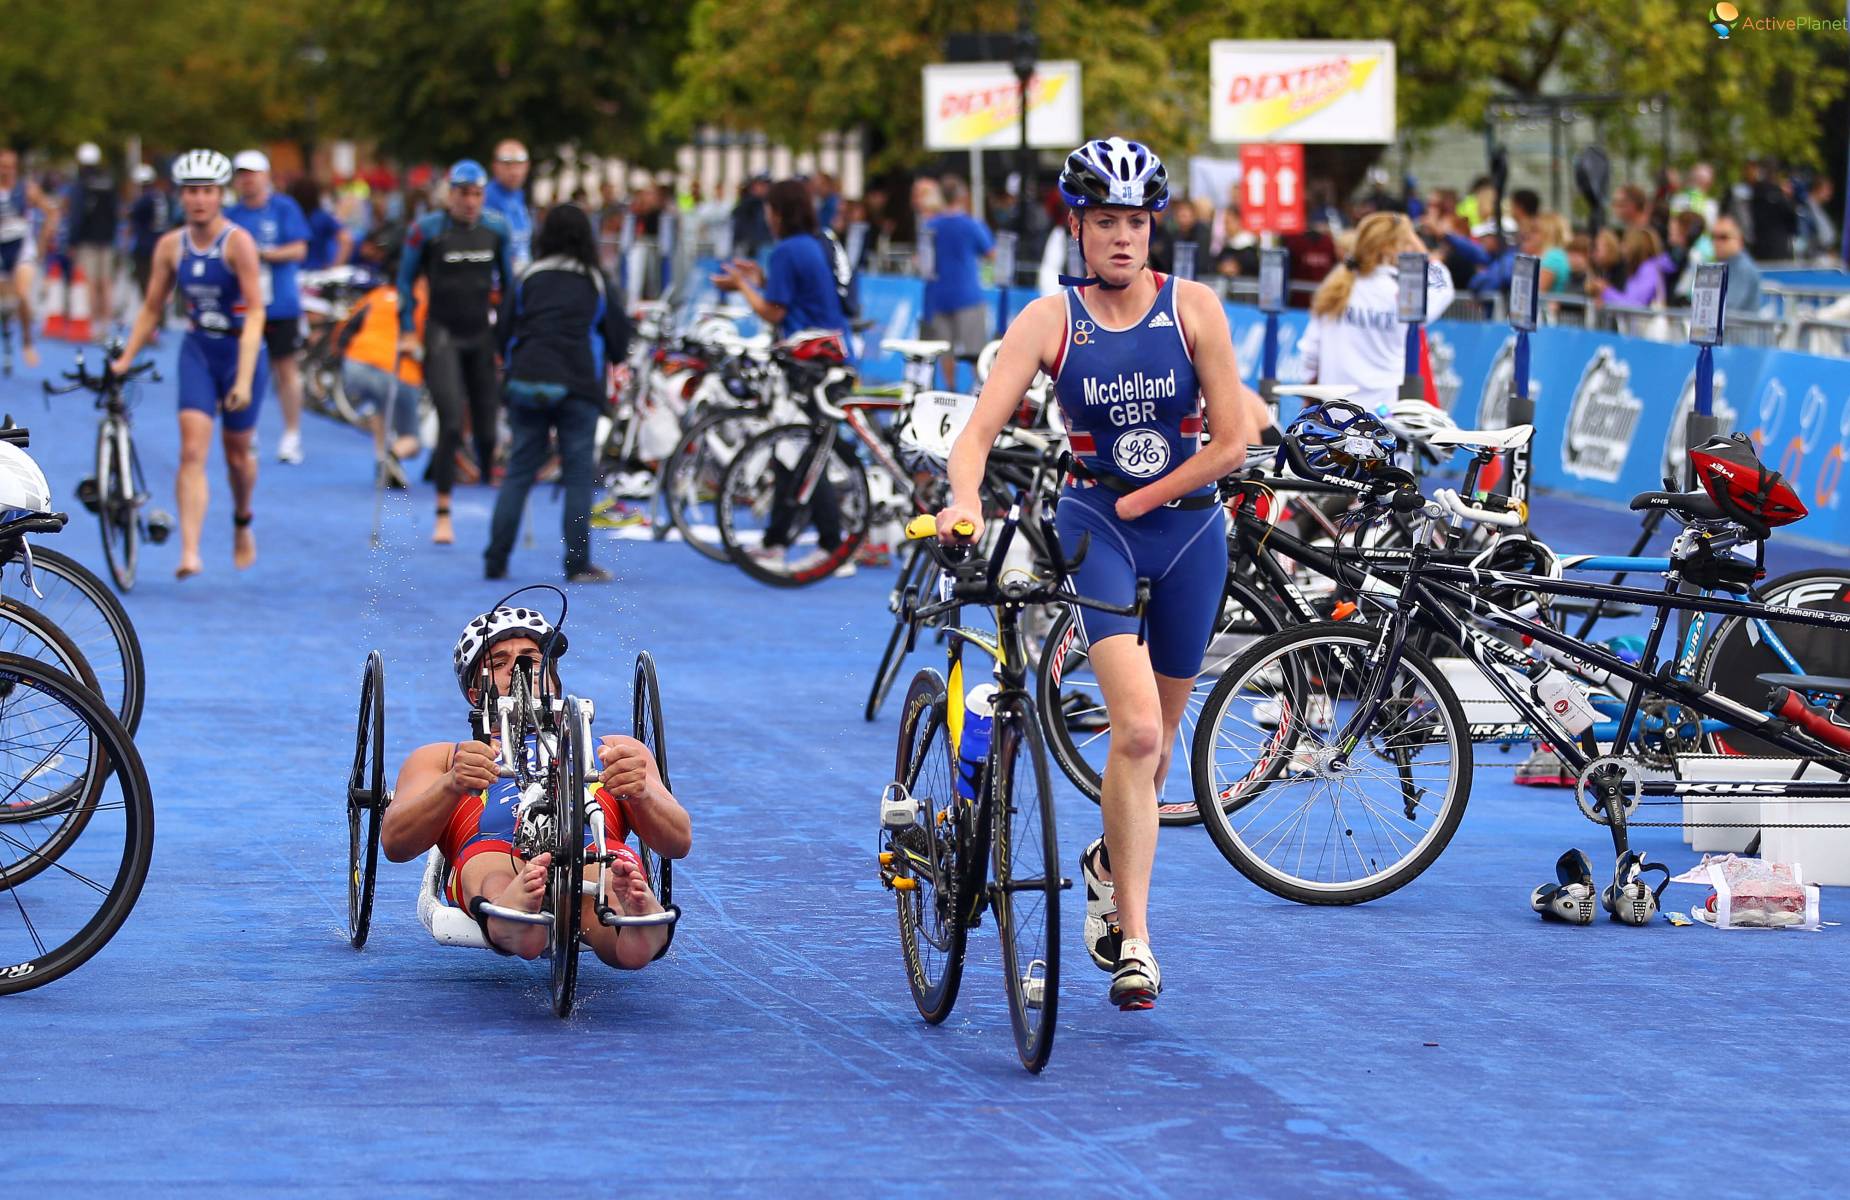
[978, 106]
[1340, 92]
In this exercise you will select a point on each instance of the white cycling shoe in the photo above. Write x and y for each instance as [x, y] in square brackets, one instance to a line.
[1138, 981]
[1104, 939]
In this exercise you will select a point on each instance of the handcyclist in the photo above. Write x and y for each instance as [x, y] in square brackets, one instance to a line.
[222, 358]
[18, 196]
[450, 795]
[1134, 356]
[464, 251]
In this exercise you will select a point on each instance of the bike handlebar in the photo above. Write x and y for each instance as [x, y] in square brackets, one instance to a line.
[82, 380]
[1451, 502]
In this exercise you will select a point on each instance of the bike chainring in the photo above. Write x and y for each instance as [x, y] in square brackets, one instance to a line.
[1609, 778]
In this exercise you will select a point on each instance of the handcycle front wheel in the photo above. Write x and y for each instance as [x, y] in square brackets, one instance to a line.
[565, 887]
[1309, 808]
[366, 801]
[116, 504]
[1026, 884]
[922, 861]
[649, 729]
[1072, 706]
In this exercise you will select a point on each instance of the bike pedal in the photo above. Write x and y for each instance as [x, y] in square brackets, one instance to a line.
[86, 494]
[905, 883]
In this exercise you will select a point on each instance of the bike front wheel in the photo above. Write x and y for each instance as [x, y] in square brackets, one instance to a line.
[1026, 885]
[922, 861]
[1307, 800]
[117, 504]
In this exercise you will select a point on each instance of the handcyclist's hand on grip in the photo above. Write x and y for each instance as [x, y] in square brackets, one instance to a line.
[472, 767]
[626, 766]
[954, 516]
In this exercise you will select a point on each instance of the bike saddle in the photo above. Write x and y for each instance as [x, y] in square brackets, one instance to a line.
[1695, 505]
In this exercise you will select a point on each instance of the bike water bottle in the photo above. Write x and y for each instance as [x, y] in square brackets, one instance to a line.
[979, 717]
[1556, 692]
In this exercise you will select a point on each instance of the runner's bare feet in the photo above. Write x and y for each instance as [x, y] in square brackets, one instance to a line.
[188, 568]
[525, 894]
[243, 546]
[444, 533]
[30, 353]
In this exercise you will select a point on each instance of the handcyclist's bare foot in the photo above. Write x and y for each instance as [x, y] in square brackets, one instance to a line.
[525, 894]
[627, 886]
[188, 568]
[444, 533]
[244, 548]
[30, 354]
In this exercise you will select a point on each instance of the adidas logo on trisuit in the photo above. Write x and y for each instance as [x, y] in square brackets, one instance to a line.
[1160, 321]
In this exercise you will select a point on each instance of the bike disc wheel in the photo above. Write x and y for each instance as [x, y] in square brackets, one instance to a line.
[757, 501]
[58, 909]
[1072, 708]
[115, 503]
[932, 930]
[1738, 652]
[85, 609]
[565, 885]
[648, 728]
[366, 801]
[1308, 807]
[1026, 885]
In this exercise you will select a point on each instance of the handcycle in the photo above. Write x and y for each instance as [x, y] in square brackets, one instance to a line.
[967, 822]
[555, 811]
[118, 492]
[1334, 760]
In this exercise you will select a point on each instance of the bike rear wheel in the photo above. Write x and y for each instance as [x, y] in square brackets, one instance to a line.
[1308, 807]
[1072, 708]
[1026, 885]
[366, 801]
[1736, 653]
[84, 608]
[117, 504]
[25, 631]
[57, 909]
[932, 931]
[650, 730]
[691, 476]
[772, 535]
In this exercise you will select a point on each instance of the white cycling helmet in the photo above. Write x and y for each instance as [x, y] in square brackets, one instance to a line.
[22, 485]
[1414, 420]
[201, 168]
[497, 626]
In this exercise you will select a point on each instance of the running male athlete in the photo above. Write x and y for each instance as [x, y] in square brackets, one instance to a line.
[449, 795]
[1133, 356]
[222, 358]
[18, 196]
[464, 253]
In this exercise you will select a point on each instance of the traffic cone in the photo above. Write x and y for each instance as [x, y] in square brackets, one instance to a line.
[56, 294]
[77, 320]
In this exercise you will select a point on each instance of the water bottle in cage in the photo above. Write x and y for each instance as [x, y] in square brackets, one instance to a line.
[973, 749]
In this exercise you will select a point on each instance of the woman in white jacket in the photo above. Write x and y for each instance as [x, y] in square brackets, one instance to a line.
[1356, 335]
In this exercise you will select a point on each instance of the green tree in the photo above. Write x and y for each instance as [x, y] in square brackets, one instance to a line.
[442, 79]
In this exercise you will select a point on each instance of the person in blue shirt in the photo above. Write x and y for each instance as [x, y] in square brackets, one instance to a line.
[503, 195]
[329, 243]
[954, 311]
[282, 234]
[149, 216]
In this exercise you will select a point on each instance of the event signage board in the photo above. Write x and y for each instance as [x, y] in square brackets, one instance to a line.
[1272, 282]
[1323, 91]
[1272, 188]
[1706, 301]
[1523, 292]
[1412, 267]
[976, 106]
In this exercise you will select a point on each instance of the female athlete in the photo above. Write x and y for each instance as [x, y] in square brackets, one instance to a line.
[1135, 356]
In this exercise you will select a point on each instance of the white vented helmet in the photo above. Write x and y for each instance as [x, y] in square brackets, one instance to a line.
[22, 484]
[482, 633]
[1414, 420]
[202, 167]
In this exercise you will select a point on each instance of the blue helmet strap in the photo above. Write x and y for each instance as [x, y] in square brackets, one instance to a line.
[1088, 280]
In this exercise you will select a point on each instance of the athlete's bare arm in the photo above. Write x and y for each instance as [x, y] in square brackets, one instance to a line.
[631, 774]
[241, 257]
[430, 783]
[165, 266]
[1031, 342]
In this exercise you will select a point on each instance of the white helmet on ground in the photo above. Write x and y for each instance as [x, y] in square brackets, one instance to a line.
[202, 168]
[22, 485]
[497, 626]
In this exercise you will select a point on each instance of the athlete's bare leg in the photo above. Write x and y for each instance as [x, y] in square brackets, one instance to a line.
[241, 469]
[287, 372]
[627, 889]
[189, 488]
[22, 306]
[1137, 758]
[507, 882]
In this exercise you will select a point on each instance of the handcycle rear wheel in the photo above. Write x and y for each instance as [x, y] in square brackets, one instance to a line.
[1072, 709]
[932, 930]
[565, 884]
[366, 801]
[1296, 809]
[1025, 889]
[83, 607]
[43, 931]
[116, 504]
[648, 728]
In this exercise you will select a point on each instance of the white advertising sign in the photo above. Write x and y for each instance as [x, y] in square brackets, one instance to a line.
[978, 106]
[1341, 92]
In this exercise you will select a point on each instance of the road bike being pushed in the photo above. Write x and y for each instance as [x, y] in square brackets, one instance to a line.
[967, 823]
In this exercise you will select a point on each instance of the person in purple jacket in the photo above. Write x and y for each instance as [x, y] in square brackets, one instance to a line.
[1648, 273]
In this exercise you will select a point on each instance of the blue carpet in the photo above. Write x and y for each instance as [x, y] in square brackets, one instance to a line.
[1442, 1041]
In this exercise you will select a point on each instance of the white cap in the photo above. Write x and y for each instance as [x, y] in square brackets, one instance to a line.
[88, 155]
[251, 160]
[144, 173]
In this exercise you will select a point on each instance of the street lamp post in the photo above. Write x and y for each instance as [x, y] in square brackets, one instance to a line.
[1027, 48]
